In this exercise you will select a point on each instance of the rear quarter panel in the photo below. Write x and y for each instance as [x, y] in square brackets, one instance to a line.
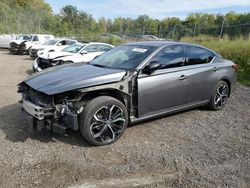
[226, 71]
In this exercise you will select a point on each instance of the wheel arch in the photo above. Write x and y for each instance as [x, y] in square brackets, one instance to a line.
[122, 97]
[228, 83]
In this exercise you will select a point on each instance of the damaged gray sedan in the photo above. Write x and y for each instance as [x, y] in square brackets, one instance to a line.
[130, 83]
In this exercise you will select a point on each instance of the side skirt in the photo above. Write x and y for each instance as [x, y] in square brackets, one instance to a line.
[169, 111]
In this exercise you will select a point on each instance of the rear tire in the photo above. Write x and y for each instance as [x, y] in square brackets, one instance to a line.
[220, 96]
[103, 120]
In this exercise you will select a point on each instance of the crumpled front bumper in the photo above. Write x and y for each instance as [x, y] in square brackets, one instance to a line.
[33, 110]
[18, 49]
[33, 53]
[35, 66]
[40, 118]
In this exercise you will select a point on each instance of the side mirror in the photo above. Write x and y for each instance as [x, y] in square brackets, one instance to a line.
[83, 52]
[59, 44]
[151, 67]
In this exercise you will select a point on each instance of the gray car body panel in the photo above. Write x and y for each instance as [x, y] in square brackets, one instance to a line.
[159, 93]
[70, 77]
[163, 91]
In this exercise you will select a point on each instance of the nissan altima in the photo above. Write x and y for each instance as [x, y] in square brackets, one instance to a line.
[130, 83]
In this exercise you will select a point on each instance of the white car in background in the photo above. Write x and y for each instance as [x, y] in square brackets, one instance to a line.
[50, 46]
[5, 40]
[23, 43]
[76, 53]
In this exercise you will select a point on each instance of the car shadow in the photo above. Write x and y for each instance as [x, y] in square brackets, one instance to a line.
[16, 129]
[29, 71]
[27, 58]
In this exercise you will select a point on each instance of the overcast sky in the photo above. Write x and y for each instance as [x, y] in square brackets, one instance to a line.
[154, 8]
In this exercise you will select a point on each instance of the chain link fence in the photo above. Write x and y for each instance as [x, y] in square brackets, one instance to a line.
[31, 22]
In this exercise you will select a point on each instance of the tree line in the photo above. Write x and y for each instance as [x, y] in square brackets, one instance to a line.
[36, 16]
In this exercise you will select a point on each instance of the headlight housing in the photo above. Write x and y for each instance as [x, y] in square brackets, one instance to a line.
[56, 62]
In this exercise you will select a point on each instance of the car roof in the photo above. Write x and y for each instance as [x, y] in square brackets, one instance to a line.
[153, 43]
[165, 43]
[87, 43]
[63, 39]
[99, 43]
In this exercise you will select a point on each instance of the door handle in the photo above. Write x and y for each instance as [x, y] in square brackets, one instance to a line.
[183, 77]
[215, 68]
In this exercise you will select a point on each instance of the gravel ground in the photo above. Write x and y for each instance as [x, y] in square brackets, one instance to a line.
[196, 148]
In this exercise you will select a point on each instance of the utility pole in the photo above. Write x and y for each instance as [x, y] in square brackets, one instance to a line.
[194, 29]
[174, 31]
[160, 31]
[222, 26]
[18, 22]
[39, 25]
[6, 23]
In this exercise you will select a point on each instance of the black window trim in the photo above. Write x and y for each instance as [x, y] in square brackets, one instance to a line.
[105, 46]
[184, 58]
[185, 54]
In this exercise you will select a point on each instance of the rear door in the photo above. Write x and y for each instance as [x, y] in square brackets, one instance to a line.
[165, 88]
[202, 74]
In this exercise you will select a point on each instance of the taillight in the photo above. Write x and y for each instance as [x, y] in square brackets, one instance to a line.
[235, 66]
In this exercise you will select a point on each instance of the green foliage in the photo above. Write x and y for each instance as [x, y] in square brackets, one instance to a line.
[237, 50]
[34, 16]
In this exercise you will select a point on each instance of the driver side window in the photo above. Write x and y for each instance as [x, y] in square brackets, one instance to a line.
[62, 43]
[170, 57]
[35, 39]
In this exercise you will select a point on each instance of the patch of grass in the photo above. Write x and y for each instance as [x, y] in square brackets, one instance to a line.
[237, 50]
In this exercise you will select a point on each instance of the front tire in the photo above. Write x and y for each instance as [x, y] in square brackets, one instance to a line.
[220, 96]
[103, 120]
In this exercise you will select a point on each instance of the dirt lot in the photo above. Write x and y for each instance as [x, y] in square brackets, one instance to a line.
[196, 148]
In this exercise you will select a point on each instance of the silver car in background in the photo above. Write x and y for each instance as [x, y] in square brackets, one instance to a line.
[130, 83]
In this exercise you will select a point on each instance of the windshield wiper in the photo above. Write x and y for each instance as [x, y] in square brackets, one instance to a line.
[103, 66]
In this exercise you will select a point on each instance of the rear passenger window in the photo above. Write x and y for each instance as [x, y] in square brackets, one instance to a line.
[70, 42]
[92, 48]
[196, 55]
[104, 48]
[170, 56]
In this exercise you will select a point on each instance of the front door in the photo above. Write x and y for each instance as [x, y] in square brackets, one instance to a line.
[165, 88]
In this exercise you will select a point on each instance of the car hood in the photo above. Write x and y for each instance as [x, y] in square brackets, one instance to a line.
[69, 77]
[54, 55]
[18, 41]
[41, 46]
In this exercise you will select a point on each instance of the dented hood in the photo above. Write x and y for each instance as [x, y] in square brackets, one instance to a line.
[18, 41]
[69, 77]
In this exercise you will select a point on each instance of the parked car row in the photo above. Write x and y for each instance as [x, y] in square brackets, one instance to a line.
[132, 37]
[49, 51]
[50, 46]
[129, 83]
[75, 53]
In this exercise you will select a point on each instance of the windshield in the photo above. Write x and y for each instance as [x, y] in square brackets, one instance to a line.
[50, 42]
[74, 48]
[125, 57]
[25, 37]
